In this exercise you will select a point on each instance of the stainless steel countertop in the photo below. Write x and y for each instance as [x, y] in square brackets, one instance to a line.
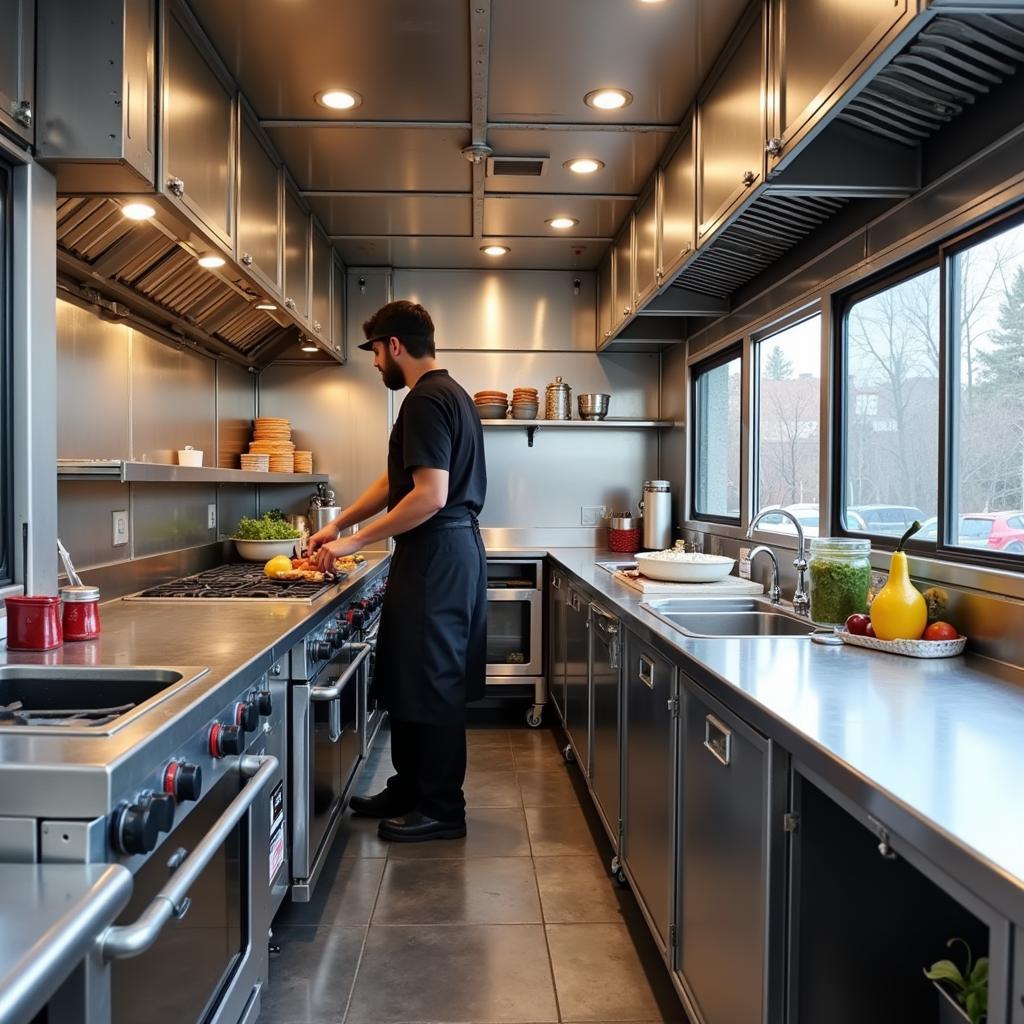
[237, 642]
[50, 916]
[933, 749]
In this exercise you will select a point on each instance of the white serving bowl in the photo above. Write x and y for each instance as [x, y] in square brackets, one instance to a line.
[685, 569]
[264, 550]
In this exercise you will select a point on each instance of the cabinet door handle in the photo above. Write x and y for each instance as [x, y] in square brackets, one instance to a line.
[625, 310]
[718, 739]
[316, 326]
[247, 259]
[23, 114]
[647, 671]
[556, 581]
[773, 147]
[289, 303]
[176, 187]
[748, 178]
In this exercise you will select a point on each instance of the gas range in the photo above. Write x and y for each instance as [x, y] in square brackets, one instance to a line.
[238, 581]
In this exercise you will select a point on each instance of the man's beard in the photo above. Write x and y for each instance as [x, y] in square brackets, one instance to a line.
[392, 374]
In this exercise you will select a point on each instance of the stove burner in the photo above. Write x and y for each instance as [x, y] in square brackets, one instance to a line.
[239, 581]
[16, 714]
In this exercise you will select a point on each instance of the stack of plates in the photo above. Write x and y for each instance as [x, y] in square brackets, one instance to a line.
[303, 462]
[273, 437]
[525, 403]
[491, 405]
[255, 463]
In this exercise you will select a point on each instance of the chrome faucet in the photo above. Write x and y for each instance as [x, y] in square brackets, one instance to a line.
[801, 603]
[775, 592]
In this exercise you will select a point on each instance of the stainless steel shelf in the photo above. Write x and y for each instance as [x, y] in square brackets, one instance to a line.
[154, 472]
[606, 424]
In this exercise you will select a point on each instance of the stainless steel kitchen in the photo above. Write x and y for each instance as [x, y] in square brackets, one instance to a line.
[724, 299]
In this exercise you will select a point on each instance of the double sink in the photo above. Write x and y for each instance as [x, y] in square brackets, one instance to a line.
[727, 617]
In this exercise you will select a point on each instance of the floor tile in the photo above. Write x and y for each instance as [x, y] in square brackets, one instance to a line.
[487, 737]
[543, 756]
[491, 832]
[357, 837]
[535, 739]
[600, 975]
[579, 890]
[491, 789]
[548, 789]
[490, 758]
[484, 974]
[311, 977]
[559, 831]
[344, 895]
[476, 890]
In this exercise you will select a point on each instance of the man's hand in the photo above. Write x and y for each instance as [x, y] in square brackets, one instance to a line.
[321, 537]
[339, 548]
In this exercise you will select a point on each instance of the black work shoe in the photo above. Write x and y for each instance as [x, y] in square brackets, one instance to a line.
[418, 828]
[381, 805]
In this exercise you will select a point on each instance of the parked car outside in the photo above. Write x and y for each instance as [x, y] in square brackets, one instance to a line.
[882, 520]
[997, 531]
[806, 514]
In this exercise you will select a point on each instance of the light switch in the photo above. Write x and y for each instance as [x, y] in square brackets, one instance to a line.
[120, 528]
[591, 515]
[211, 516]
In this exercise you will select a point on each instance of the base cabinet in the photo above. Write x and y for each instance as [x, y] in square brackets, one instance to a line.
[605, 698]
[723, 861]
[649, 773]
[577, 689]
[556, 642]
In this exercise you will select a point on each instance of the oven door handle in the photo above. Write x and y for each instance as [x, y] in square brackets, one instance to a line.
[333, 692]
[514, 595]
[118, 942]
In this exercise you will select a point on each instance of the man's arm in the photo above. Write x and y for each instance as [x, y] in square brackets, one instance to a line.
[369, 503]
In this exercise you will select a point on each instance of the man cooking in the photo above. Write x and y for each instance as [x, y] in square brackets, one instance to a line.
[431, 645]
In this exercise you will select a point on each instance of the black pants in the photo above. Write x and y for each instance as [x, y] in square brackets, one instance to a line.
[430, 766]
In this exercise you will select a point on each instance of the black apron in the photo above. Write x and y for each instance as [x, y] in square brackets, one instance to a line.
[431, 647]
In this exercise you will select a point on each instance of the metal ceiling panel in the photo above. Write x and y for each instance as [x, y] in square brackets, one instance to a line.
[407, 60]
[546, 56]
[398, 214]
[526, 215]
[459, 253]
[377, 159]
[628, 159]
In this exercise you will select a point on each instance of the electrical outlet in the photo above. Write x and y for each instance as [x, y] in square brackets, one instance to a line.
[591, 515]
[120, 528]
[744, 568]
[211, 516]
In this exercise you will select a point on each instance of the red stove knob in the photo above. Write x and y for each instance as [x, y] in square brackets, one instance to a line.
[183, 781]
[356, 617]
[226, 739]
[247, 716]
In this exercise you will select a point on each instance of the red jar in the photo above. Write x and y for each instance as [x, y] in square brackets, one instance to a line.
[33, 623]
[624, 534]
[81, 618]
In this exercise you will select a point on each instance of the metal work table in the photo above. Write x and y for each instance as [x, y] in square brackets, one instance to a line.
[49, 918]
[931, 749]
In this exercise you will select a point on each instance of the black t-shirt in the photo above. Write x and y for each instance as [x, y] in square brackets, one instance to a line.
[438, 428]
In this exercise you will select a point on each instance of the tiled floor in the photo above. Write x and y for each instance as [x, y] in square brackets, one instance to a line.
[518, 923]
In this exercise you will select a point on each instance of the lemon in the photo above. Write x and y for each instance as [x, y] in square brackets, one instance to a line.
[279, 563]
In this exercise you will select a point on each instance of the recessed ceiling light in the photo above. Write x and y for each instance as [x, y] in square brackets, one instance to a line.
[561, 223]
[583, 165]
[138, 211]
[608, 99]
[339, 99]
[268, 306]
[308, 345]
[495, 250]
[210, 261]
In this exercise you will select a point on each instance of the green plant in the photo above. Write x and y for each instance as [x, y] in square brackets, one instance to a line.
[266, 527]
[969, 987]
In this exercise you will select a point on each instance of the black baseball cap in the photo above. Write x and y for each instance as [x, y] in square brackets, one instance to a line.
[407, 321]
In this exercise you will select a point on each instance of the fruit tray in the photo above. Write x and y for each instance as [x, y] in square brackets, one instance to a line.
[908, 648]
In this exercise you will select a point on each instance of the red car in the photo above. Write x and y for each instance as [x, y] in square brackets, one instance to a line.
[997, 531]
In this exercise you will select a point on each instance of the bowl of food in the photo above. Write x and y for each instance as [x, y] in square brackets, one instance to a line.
[678, 566]
[259, 540]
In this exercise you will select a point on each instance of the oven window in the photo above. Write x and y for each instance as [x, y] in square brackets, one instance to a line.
[6, 422]
[508, 633]
[184, 973]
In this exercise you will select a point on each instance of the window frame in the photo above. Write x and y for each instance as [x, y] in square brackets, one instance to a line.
[734, 350]
[843, 303]
[7, 551]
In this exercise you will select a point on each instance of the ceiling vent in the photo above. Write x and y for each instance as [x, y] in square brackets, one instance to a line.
[516, 166]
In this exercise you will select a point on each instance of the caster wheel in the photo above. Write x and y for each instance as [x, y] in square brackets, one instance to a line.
[617, 873]
[570, 757]
[534, 717]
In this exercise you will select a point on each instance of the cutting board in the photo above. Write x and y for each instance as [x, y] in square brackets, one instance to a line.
[731, 586]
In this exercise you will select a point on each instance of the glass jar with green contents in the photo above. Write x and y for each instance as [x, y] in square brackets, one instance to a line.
[840, 576]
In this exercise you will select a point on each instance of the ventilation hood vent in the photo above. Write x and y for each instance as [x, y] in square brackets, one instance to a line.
[516, 166]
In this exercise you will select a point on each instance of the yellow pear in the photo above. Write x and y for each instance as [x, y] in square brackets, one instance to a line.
[899, 611]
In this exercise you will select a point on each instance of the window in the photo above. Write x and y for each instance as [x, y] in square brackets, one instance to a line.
[787, 428]
[6, 420]
[889, 404]
[986, 359]
[716, 438]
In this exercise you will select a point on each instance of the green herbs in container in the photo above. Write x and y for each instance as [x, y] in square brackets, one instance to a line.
[840, 577]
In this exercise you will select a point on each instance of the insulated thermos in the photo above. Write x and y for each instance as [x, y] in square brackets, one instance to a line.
[656, 506]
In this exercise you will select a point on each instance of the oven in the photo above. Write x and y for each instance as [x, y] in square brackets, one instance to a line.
[372, 712]
[515, 628]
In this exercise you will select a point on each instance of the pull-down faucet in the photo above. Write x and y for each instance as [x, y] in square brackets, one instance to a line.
[801, 603]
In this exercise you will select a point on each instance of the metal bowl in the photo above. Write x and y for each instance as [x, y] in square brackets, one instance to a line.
[593, 406]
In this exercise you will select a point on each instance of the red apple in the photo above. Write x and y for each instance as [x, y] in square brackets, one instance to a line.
[941, 631]
[858, 624]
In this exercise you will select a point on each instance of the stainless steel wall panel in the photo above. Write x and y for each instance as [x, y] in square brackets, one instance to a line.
[526, 215]
[173, 401]
[236, 407]
[232, 503]
[394, 215]
[92, 386]
[84, 520]
[513, 310]
[673, 451]
[166, 518]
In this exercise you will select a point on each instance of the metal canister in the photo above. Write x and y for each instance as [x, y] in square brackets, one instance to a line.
[624, 533]
[558, 401]
[656, 506]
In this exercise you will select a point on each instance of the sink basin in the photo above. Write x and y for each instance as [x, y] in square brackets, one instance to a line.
[727, 618]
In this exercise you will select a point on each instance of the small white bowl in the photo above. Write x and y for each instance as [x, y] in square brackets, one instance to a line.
[264, 550]
[190, 457]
